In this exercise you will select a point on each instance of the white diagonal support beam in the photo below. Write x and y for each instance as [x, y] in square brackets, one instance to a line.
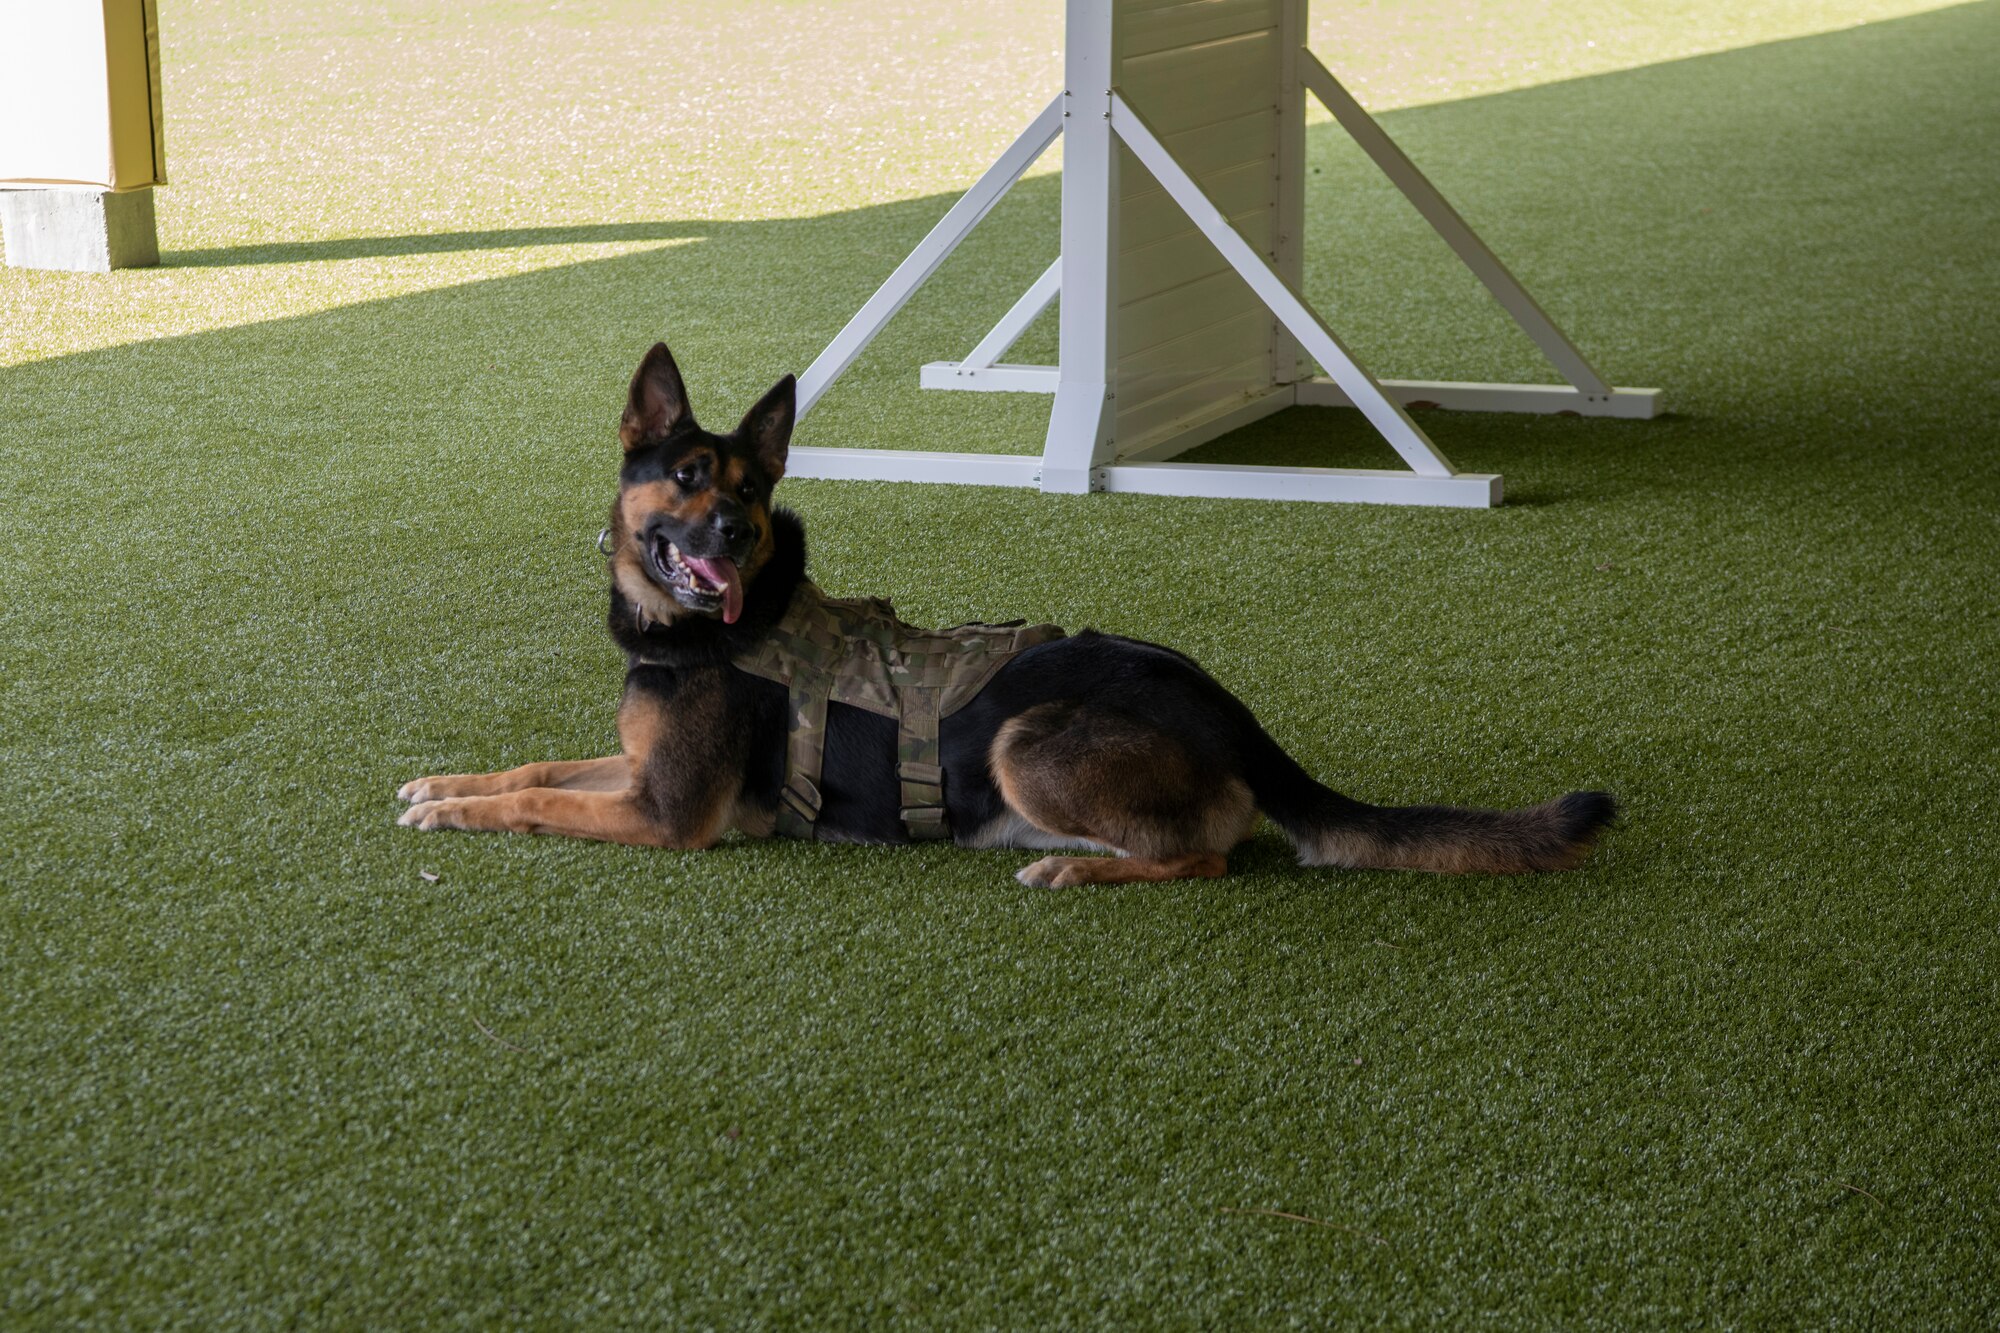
[932, 251]
[1446, 222]
[1016, 321]
[1382, 411]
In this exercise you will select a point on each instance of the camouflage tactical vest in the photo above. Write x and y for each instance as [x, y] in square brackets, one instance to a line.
[855, 651]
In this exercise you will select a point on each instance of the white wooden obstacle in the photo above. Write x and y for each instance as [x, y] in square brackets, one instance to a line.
[1183, 218]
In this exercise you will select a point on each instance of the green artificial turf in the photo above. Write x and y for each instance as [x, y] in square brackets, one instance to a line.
[308, 511]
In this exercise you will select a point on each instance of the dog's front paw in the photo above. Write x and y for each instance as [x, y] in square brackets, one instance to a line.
[437, 814]
[1056, 872]
[438, 787]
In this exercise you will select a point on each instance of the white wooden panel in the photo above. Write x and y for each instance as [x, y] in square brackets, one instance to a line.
[1232, 383]
[1148, 29]
[1162, 369]
[1183, 310]
[1236, 185]
[1179, 259]
[1213, 147]
[1197, 85]
[1130, 8]
[1155, 217]
[1191, 335]
[1198, 430]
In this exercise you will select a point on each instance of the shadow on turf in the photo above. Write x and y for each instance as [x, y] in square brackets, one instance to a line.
[433, 243]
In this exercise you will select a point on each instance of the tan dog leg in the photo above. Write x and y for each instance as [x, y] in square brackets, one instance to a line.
[612, 773]
[607, 816]
[1114, 780]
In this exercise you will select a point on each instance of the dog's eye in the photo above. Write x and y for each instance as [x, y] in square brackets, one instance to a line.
[687, 477]
[749, 492]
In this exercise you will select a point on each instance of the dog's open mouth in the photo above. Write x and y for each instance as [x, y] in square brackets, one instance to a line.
[699, 584]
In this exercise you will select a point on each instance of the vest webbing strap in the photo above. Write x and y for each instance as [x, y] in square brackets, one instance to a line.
[919, 765]
[799, 801]
[855, 651]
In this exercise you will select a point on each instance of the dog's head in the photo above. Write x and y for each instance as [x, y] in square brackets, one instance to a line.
[692, 524]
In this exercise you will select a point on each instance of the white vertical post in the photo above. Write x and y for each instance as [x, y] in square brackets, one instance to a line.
[1081, 422]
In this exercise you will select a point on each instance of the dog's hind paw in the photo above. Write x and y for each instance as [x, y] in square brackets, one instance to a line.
[1054, 872]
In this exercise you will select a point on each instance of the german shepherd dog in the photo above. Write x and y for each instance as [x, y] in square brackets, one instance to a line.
[1092, 742]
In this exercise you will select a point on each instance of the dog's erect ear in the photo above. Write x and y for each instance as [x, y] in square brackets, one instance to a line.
[767, 427]
[659, 400]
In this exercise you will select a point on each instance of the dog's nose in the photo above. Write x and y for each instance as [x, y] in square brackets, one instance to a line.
[734, 529]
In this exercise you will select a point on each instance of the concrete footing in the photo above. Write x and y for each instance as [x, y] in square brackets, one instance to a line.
[82, 230]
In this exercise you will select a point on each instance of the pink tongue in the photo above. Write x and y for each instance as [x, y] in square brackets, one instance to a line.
[721, 573]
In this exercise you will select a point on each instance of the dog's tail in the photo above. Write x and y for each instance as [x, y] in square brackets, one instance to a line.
[1333, 830]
